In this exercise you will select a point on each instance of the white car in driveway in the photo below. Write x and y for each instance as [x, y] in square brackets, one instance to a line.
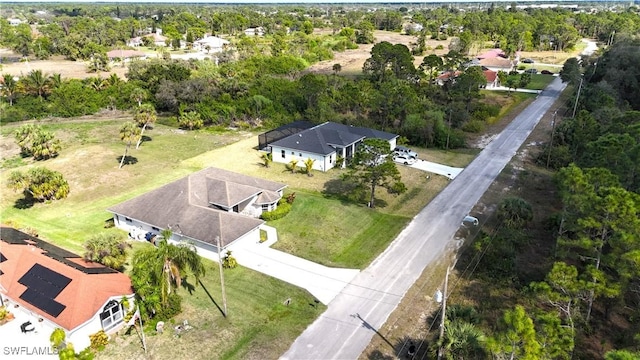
[404, 159]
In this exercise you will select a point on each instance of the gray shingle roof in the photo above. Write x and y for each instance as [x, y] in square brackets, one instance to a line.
[185, 202]
[324, 138]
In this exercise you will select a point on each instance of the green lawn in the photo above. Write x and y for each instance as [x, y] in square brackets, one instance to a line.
[539, 81]
[335, 234]
[258, 326]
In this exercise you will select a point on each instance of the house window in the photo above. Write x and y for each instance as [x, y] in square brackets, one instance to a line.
[330, 159]
[111, 315]
[293, 153]
[300, 154]
[282, 153]
[155, 228]
[265, 207]
[128, 220]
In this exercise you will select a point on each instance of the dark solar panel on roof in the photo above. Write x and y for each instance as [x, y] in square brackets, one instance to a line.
[43, 285]
[45, 280]
[42, 302]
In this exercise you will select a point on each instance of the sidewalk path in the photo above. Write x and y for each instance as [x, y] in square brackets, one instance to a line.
[444, 170]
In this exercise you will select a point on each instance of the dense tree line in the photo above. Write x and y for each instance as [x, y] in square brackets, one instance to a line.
[589, 277]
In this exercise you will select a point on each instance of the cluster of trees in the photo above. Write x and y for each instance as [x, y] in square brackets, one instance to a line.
[83, 32]
[269, 91]
[592, 243]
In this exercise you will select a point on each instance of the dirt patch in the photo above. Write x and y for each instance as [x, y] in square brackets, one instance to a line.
[58, 65]
[352, 61]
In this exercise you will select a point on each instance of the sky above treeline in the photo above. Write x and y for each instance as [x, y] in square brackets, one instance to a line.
[289, 2]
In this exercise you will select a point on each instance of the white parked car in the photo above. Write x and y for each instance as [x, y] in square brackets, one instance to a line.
[405, 151]
[404, 159]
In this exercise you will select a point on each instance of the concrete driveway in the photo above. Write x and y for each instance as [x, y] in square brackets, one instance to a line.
[323, 282]
[444, 170]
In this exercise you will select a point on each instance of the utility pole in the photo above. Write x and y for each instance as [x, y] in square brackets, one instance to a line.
[224, 294]
[553, 129]
[444, 311]
[575, 106]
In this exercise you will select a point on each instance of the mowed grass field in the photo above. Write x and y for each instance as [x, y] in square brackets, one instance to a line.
[320, 227]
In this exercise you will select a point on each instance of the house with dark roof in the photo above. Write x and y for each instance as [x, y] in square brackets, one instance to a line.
[203, 207]
[326, 144]
[55, 288]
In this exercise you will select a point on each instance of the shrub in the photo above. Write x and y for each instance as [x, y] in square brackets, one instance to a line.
[3, 313]
[439, 47]
[173, 308]
[99, 340]
[473, 126]
[229, 262]
[281, 211]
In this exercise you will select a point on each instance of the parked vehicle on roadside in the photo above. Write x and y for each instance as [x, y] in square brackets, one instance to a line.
[531, 71]
[527, 61]
[546, 72]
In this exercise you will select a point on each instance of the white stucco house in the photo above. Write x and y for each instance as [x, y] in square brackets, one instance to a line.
[325, 143]
[47, 287]
[210, 44]
[200, 208]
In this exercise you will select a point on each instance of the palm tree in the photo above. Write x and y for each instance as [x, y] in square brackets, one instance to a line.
[138, 95]
[96, 83]
[145, 115]
[129, 132]
[113, 80]
[308, 165]
[55, 80]
[463, 340]
[9, 87]
[190, 120]
[36, 83]
[165, 264]
[267, 158]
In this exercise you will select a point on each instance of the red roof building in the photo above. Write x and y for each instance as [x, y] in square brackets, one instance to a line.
[60, 288]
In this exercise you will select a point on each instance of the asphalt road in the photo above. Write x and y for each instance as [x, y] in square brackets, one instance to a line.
[345, 329]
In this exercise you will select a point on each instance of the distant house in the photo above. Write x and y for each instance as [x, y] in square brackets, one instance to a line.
[203, 207]
[58, 289]
[158, 40]
[492, 78]
[256, 31]
[15, 22]
[491, 54]
[497, 63]
[210, 44]
[326, 144]
[135, 42]
[447, 76]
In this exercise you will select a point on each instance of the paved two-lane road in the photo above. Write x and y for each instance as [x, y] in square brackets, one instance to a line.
[345, 329]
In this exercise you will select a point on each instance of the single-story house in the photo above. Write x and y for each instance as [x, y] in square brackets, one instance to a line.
[257, 31]
[492, 78]
[325, 143]
[203, 207]
[496, 64]
[447, 76]
[135, 42]
[59, 289]
[210, 44]
[15, 22]
[491, 54]
[158, 40]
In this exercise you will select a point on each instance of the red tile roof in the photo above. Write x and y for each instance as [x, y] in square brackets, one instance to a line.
[490, 75]
[85, 295]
